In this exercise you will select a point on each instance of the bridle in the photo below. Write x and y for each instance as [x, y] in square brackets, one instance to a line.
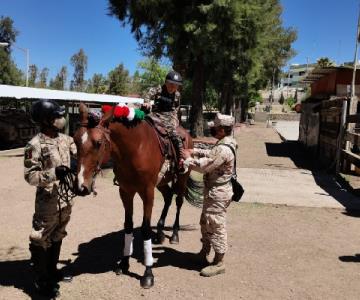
[105, 145]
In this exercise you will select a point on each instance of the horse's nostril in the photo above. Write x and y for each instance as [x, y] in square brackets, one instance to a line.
[84, 191]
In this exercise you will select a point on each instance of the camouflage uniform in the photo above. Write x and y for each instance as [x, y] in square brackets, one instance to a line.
[166, 113]
[217, 164]
[42, 155]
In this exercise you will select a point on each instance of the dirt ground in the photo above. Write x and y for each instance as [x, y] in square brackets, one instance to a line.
[275, 251]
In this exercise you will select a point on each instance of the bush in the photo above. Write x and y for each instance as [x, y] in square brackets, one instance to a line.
[290, 101]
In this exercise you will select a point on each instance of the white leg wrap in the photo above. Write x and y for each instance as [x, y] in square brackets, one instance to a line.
[148, 258]
[128, 246]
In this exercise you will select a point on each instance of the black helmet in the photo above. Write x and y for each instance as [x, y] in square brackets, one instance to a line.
[174, 77]
[45, 111]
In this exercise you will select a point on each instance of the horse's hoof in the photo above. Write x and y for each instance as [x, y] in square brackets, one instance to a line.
[174, 239]
[147, 282]
[122, 267]
[160, 238]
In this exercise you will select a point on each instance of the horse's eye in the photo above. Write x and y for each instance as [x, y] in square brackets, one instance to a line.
[98, 144]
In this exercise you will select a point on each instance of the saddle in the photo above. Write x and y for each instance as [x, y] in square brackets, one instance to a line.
[167, 147]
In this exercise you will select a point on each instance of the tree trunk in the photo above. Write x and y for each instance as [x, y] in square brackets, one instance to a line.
[197, 99]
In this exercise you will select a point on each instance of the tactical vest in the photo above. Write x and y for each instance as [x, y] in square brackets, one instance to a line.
[165, 102]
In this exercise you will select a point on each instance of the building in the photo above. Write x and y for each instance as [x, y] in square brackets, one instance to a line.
[296, 74]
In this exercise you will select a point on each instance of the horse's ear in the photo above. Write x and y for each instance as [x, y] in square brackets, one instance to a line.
[84, 113]
[107, 117]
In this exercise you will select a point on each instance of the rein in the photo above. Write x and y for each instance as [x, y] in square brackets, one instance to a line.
[66, 189]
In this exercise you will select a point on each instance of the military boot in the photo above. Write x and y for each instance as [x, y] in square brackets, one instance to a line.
[216, 268]
[203, 257]
[53, 258]
[179, 147]
[43, 283]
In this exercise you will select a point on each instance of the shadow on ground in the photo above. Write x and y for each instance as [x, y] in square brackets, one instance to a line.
[350, 258]
[323, 177]
[99, 255]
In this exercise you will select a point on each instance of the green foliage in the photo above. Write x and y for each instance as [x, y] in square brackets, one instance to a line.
[324, 62]
[79, 61]
[290, 102]
[43, 78]
[59, 83]
[9, 73]
[8, 33]
[118, 81]
[97, 84]
[236, 46]
[254, 97]
[151, 73]
[33, 74]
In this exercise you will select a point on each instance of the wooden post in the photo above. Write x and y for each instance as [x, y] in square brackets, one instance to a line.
[341, 136]
[67, 118]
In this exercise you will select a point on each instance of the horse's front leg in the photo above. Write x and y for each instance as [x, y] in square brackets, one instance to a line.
[127, 199]
[147, 280]
[174, 239]
[167, 194]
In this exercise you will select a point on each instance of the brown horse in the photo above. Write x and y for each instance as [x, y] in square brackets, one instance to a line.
[138, 161]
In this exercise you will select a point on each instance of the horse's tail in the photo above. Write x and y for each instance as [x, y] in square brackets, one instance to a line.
[194, 191]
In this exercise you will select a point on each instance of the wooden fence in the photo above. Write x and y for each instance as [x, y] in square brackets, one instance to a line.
[349, 139]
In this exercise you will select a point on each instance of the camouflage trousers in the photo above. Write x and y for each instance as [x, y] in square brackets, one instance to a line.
[213, 231]
[169, 120]
[48, 228]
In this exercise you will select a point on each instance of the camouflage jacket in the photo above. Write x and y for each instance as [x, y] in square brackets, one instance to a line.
[43, 154]
[217, 163]
[162, 100]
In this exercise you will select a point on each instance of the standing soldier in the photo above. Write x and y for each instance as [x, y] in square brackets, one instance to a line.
[46, 161]
[218, 165]
[166, 100]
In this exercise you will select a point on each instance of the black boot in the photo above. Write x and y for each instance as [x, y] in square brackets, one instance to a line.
[179, 147]
[54, 254]
[43, 283]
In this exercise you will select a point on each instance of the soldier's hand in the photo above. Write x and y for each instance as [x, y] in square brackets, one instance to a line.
[146, 107]
[186, 153]
[61, 172]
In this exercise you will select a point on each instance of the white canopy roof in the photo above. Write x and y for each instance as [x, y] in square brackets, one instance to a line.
[19, 92]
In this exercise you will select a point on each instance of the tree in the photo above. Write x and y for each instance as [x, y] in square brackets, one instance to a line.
[79, 61]
[43, 78]
[118, 80]
[9, 73]
[8, 33]
[97, 84]
[152, 73]
[324, 62]
[282, 99]
[233, 44]
[33, 74]
[59, 82]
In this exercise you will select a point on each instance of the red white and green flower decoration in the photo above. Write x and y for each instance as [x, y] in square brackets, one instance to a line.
[125, 112]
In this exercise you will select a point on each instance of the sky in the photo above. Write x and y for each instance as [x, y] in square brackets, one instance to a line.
[54, 30]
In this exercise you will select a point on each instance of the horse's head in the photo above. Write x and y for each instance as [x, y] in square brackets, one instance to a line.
[93, 149]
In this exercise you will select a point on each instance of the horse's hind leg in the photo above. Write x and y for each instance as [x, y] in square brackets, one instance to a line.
[127, 199]
[174, 239]
[167, 194]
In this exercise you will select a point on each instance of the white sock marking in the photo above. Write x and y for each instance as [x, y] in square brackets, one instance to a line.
[148, 258]
[128, 246]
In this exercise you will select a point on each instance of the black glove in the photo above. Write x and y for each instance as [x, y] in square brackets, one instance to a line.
[61, 172]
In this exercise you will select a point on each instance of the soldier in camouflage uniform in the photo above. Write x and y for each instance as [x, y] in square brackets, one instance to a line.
[166, 102]
[217, 164]
[46, 161]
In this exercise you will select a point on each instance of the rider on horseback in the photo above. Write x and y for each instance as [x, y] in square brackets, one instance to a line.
[166, 100]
